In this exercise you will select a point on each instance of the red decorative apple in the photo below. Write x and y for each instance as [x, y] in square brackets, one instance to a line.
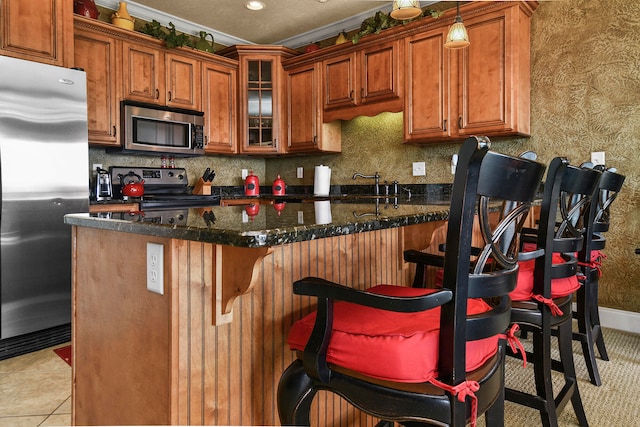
[312, 48]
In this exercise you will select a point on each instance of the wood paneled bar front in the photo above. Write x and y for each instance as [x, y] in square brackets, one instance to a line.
[210, 350]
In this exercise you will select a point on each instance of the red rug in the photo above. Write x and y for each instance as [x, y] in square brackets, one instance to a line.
[64, 353]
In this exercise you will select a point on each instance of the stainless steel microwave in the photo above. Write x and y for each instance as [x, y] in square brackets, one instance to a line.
[154, 129]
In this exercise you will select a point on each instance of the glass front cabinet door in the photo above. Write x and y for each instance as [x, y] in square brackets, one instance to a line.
[261, 97]
[260, 105]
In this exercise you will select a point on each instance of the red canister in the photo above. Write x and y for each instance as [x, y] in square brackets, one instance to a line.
[251, 185]
[278, 187]
[252, 210]
[279, 207]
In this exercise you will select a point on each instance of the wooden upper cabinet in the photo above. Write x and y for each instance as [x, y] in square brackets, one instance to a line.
[307, 132]
[99, 55]
[37, 30]
[302, 108]
[340, 81]
[153, 76]
[143, 73]
[183, 81]
[482, 89]
[361, 78]
[380, 72]
[261, 105]
[494, 75]
[219, 99]
[427, 97]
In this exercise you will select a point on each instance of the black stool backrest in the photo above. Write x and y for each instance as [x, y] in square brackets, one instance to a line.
[597, 217]
[485, 181]
[568, 190]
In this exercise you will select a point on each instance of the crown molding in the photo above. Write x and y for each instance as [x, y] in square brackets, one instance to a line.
[322, 33]
[331, 30]
[184, 26]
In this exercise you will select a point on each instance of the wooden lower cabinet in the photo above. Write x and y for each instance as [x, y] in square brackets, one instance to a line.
[198, 355]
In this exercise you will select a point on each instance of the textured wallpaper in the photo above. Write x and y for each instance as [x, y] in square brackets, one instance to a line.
[585, 96]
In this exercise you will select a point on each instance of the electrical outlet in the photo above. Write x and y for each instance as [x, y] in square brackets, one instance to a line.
[245, 172]
[96, 166]
[155, 267]
[300, 172]
[419, 169]
[597, 158]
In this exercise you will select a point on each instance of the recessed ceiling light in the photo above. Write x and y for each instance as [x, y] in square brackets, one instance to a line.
[254, 5]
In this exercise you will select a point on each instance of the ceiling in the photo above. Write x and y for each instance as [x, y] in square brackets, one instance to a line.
[292, 23]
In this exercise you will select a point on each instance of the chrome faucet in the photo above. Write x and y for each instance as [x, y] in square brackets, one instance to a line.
[395, 188]
[375, 176]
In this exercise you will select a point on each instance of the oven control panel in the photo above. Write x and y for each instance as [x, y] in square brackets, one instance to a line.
[151, 176]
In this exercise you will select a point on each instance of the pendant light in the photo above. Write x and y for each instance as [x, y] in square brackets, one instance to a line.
[405, 9]
[458, 36]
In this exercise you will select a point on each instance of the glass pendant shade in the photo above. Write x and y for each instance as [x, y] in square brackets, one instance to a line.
[405, 9]
[458, 36]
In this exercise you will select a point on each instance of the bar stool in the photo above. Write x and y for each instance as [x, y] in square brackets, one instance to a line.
[546, 281]
[590, 258]
[416, 355]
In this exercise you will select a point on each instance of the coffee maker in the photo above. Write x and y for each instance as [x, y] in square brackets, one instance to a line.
[104, 190]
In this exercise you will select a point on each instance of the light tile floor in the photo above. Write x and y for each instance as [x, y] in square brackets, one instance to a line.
[35, 390]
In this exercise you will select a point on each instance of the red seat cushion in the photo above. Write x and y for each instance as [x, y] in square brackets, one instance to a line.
[391, 346]
[524, 288]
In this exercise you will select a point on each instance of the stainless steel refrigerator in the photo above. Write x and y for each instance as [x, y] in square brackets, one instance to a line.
[44, 174]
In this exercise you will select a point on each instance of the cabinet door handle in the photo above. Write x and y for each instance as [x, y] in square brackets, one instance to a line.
[460, 122]
[114, 130]
[169, 95]
[157, 94]
[315, 140]
[275, 143]
[444, 123]
[351, 94]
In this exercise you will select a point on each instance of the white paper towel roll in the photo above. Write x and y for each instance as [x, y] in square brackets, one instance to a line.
[323, 211]
[322, 180]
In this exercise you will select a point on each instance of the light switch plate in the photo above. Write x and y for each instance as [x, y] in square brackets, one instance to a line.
[300, 172]
[419, 169]
[597, 158]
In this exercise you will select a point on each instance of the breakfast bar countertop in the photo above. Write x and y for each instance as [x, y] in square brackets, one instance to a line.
[272, 221]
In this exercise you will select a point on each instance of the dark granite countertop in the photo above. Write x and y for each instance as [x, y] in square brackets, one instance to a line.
[270, 221]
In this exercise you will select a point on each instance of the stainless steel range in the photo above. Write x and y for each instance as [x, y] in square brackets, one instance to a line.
[164, 188]
[163, 216]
